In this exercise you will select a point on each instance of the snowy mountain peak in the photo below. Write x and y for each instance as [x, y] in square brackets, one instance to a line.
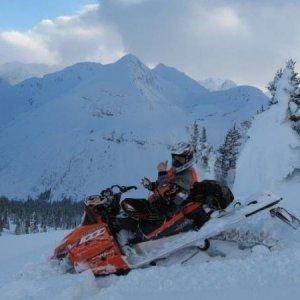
[129, 60]
[164, 71]
[179, 78]
[133, 70]
[162, 67]
[217, 84]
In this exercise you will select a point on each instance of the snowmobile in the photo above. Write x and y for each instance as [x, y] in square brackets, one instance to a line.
[95, 245]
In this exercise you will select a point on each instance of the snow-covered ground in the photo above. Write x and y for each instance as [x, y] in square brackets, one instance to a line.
[28, 273]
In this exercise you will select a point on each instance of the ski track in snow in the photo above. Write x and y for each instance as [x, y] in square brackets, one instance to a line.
[241, 275]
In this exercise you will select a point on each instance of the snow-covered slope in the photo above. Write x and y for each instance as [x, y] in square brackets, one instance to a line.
[217, 84]
[270, 160]
[187, 90]
[27, 273]
[34, 92]
[91, 125]
[4, 85]
[218, 111]
[15, 72]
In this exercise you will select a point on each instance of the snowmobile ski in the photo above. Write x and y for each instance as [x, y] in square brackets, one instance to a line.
[167, 246]
[286, 217]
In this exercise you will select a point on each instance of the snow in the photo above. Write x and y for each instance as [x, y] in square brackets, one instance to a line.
[91, 125]
[217, 84]
[270, 155]
[241, 275]
[16, 72]
[270, 160]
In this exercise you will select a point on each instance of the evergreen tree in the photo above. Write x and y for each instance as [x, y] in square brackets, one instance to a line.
[226, 161]
[195, 136]
[203, 137]
[293, 78]
[272, 87]
[285, 92]
[1, 226]
[5, 221]
[204, 151]
[30, 215]
[18, 229]
[33, 227]
[294, 93]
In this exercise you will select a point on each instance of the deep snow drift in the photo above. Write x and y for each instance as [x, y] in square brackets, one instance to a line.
[270, 160]
[27, 273]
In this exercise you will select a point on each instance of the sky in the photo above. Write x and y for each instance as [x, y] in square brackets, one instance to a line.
[246, 40]
[24, 14]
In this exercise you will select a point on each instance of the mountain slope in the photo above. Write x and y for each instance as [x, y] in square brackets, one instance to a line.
[90, 125]
[4, 85]
[219, 111]
[16, 72]
[33, 92]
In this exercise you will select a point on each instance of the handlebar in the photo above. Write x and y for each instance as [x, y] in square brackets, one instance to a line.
[122, 189]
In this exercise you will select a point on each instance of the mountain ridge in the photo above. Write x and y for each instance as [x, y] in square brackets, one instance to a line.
[91, 125]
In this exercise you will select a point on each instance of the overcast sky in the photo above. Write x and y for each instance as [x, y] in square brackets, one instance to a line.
[245, 41]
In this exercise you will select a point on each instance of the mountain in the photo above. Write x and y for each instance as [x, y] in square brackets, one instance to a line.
[15, 72]
[33, 92]
[217, 84]
[4, 85]
[91, 125]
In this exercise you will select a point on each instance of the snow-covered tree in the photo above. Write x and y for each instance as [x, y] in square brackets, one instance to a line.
[195, 136]
[204, 151]
[272, 87]
[293, 78]
[18, 229]
[269, 159]
[1, 226]
[5, 220]
[33, 223]
[207, 154]
[32, 215]
[226, 161]
[294, 92]
[285, 92]
[43, 227]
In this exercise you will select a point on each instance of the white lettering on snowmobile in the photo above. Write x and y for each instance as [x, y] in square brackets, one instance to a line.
[92, 235]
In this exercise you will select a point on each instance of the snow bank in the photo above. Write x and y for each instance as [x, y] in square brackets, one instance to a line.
[270, 157]
[270, 160]
[241, 275]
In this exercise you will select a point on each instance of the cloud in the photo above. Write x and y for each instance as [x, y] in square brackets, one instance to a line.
[242, 40]
[65, 40]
